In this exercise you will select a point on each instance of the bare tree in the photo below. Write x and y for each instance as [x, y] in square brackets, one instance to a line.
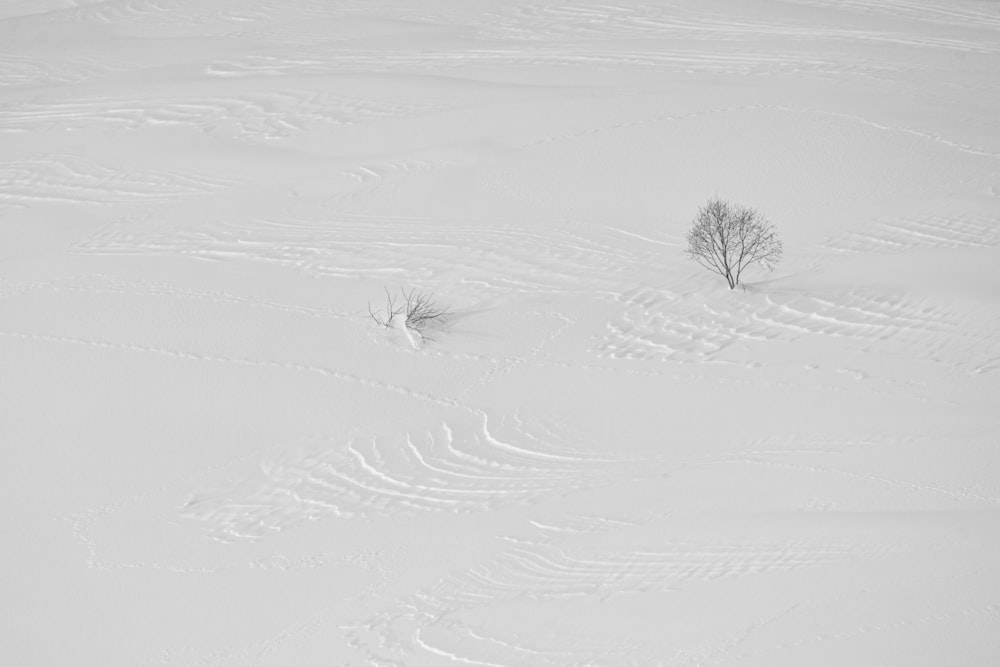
[414, 310]
[728, 238]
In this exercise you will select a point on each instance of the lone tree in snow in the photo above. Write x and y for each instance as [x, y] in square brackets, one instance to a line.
[727, 238]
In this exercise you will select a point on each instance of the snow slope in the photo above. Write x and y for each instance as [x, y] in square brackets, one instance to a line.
[211, 455]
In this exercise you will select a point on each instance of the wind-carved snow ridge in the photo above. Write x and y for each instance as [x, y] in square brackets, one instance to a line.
[582, 559]
[656, 325]
[23, 70]
[596, 36]
[463, 464]
[251, 115]
[482, 256]
[570, 21]
[570, 57]
[91, 11]
[964, 13]
[207, 18]
[72, 179]
[962, 230]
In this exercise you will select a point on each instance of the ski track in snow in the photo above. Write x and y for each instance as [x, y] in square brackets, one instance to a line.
[200, 197]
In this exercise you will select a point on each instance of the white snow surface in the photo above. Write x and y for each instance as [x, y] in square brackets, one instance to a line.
[212, 455]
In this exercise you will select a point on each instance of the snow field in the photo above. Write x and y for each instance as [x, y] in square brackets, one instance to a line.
[213, 456]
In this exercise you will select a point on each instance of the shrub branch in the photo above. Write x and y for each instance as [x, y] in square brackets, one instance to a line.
[415, 310]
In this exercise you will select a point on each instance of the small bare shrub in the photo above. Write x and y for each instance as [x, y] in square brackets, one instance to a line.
[414, 310]
[727, 238]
